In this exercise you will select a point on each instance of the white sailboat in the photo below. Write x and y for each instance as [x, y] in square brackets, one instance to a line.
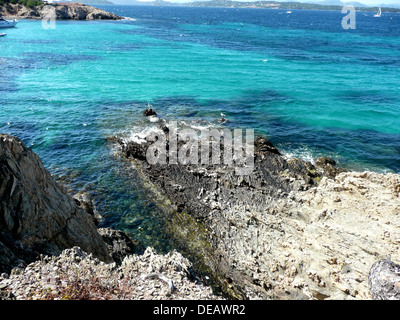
[379, 13]
[7, 23]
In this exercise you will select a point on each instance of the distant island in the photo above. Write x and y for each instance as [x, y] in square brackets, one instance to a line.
[282, 5]
[323, 5]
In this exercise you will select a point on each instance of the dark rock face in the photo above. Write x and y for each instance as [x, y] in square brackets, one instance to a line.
[262, 146]
[82, 200]
[149, 112]
[384, 280]
[119, 244]
[37, 216]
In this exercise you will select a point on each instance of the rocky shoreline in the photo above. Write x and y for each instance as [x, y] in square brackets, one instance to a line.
[50, 247]
[72, 11]
[289, 230]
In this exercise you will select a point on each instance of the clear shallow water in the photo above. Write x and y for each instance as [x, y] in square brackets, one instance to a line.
[311, 87]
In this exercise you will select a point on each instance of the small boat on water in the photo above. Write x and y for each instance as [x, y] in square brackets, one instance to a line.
[3, 34]
[288, 11]
[379, 13]
[8, 23]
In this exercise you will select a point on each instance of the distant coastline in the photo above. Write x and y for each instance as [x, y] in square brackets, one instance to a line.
[255, 5]
[31, 9]
[281, 5]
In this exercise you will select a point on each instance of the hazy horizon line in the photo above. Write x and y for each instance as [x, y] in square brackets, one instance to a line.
[363, 2]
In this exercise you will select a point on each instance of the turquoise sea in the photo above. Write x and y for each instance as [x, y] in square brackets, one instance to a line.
[313, 88]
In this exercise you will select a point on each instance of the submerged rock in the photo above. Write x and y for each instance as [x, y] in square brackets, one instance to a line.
[82, 199]
[149, 112]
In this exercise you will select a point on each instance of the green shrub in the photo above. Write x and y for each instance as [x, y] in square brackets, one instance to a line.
[27, 3]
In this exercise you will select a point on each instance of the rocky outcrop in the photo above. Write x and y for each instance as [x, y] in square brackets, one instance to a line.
[50, 247]
[73, 11]
[231, 208]
[37, 216]
[83, 200]
[149, 112]
[119, 244]
[329, 167]
[289, 230]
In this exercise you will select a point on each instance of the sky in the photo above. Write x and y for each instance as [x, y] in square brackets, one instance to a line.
[366, 2]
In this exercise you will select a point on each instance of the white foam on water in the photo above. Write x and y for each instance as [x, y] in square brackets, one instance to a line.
[302, 154]
[198, 125]
[128, 18]
[139, 135]
[154, 119]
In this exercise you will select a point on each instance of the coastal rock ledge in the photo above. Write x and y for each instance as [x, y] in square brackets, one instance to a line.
[289, 230]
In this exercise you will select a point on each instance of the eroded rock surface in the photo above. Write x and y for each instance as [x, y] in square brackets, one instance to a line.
[74, 274]
[289, 230]
[37, 216]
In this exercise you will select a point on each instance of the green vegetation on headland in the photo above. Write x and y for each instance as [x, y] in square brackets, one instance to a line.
[26, 3]
[34, 3]
[279, 5]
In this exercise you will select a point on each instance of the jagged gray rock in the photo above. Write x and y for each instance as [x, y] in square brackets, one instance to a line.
[119, 244]
[74, 274]
[384, 280]
[329, 167]
[36, 214]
